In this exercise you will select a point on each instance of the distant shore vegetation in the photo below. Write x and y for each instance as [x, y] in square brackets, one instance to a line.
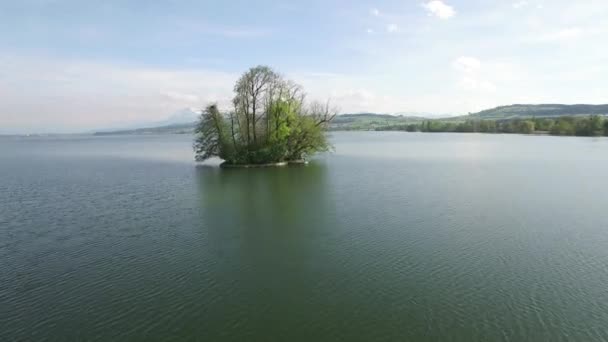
[594, 125]
[270, 123]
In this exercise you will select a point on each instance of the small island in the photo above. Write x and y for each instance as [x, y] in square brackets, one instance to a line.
[270, 124]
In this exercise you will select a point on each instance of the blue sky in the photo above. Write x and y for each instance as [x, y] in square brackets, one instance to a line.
[68, 65]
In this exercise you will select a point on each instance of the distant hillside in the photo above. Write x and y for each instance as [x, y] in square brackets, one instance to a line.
[370, 121]
[186, 128]
[175, 123]
[373, 121]
[540, 110]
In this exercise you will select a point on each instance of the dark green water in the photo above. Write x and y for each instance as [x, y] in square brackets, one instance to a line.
[393, 237]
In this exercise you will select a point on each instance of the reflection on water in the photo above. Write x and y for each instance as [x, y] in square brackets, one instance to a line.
[266, 215]
[262, 227]
[277, 197]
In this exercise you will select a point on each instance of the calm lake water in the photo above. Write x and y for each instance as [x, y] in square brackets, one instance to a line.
[393, 237]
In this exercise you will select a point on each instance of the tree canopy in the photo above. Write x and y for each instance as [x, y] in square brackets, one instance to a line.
[270, 122]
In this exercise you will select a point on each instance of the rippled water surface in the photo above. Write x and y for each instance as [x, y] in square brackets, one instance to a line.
[393, 237]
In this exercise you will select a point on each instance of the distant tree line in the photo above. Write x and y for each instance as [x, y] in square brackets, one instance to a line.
[270, 122]
[546, 110]
[594, 125]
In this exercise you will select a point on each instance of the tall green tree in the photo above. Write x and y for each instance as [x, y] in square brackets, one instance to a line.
[212, 136]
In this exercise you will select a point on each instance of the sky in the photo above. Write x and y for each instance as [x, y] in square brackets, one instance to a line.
[74, 65]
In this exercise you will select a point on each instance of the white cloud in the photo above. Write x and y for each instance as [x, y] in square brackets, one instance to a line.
[472, 75]
[392, 28]
[473, 84]
[439, 9]
[358, 100]
[370, 31]
[520, 4]
[466, 64]
[375, 12]
[565, 34]
[181, 97]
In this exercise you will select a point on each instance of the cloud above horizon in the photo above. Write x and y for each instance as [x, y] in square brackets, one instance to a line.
[70, 66]
[520, 4]
[392, 28]
[439, 9]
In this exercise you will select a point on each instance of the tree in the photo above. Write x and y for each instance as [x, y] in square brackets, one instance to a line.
[411, 128]
[307, 135]
[595, 126]
[270, 123]
[544, 125]
[212, 136]
[252, 92]
[487, 126]
[525, 127]
[563, 126]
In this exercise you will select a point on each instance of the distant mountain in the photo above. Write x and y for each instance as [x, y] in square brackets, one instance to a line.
[184, 116]
[540, 110]
[186, 128]
[182, 121]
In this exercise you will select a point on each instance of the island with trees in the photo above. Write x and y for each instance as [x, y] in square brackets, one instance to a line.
[270, 124]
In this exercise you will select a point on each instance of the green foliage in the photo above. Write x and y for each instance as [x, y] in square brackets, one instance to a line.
[212, 135]
[270, 123]
[281, 122]
[525, 127]
[307, 138]
[411, 128]
[487, 126]
[544, 125]
[563, 127]
[594, 125]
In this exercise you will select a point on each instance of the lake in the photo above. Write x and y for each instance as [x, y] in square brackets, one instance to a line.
[392, 237]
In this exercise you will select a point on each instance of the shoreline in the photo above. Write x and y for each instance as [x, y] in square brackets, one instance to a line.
[225, 165]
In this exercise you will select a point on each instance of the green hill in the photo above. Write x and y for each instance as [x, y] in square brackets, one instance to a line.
[370, 121]
[540, 110]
